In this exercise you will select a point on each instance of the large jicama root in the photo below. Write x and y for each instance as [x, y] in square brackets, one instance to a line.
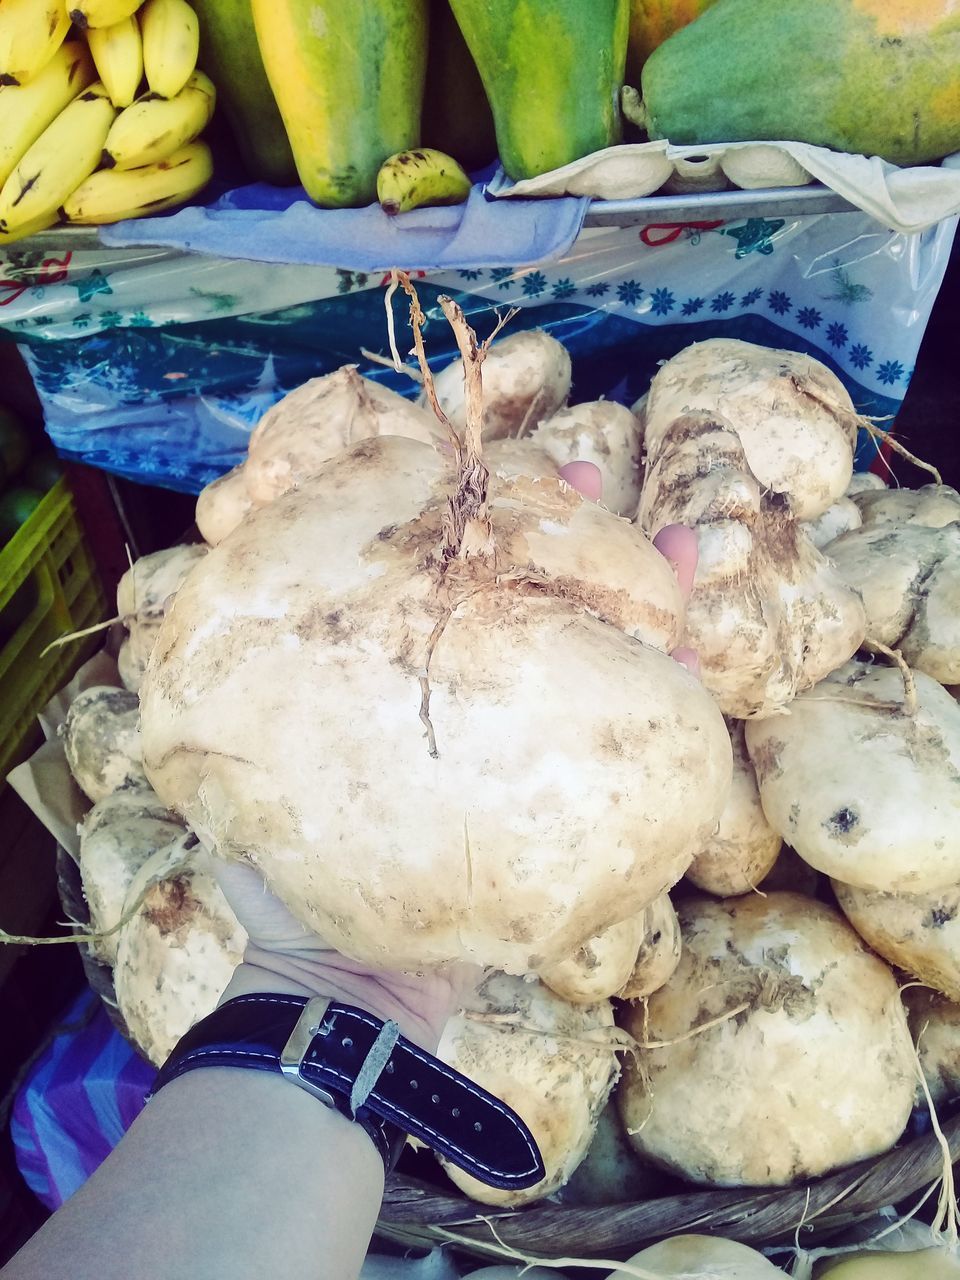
[611, 1172]
[117, 837]
[177, 953]
[606, 434]
[935, 1026]
[101, 739]
[765, 1096]
[908, 576]
[932, 505]
[143, 594]
[918, 932]
[659, 952]
[222, 505]
[863, 785]
[526, 379]
[865, 482]
[471, 692]
[553, 1062]
[599, 968]
[744, 847]
[840, 517]
[769, 615]
[795, 420]
[319, 420]
[692, 1257]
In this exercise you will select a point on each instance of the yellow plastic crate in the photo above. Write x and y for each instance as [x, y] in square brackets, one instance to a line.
[48, 587]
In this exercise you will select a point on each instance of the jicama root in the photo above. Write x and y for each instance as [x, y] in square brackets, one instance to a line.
[553, 1062]
[908, 576]
[101, 739]
[862, 788]
[768, 615]
[222, 505]
[932, 505]
[795, 420]
[765, 1097]
[143, 594]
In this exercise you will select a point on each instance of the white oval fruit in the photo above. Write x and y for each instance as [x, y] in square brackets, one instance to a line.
[606, 434]
[222, 505]
[101, 739]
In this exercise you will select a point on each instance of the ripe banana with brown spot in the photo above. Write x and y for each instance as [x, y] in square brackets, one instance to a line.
[153, 128]
[31, 32]
[424, 176]
[171, 43]
[26, 110]
[118, 53]
[64, 155]
[101, 13]
[112, 195]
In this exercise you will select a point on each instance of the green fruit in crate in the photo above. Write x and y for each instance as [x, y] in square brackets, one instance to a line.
[456, 114]
[229, 53]
[348, 79]
[14, 445]
[43, 471]
[879, 77]
[153, 128]
[17, 505]
[552, 70]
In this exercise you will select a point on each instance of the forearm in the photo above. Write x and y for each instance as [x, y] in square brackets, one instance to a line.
[227, 1173]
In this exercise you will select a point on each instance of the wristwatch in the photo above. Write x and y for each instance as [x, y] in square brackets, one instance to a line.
[366, 1070]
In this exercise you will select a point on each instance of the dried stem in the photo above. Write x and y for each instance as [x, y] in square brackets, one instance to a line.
[889, 438]
[417, 321]
[909, 684]
[70, 636]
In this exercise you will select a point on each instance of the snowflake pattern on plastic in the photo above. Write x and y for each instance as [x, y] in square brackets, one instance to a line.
[563, 289]
[534, 284]
[837, 334]
[629, 292]
[723, 302]
[597, 289]
[889, 372]
[662, 302]
[502, 276]
[860, 355]
[692, 306]
[779, 302]
[809, 317]
[750, 297]
[470, 273]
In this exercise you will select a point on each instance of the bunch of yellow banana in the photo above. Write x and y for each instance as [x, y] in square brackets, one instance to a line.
[76, 140]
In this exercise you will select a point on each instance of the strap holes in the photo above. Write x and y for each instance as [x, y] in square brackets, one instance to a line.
[347, 1042]
[435, 1099]
[455, 1113]
[477, 1126]
[414, 1084]
[389, 1068]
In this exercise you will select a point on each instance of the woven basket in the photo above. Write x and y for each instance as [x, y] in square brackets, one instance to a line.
[416, 1211]
[420, 1211]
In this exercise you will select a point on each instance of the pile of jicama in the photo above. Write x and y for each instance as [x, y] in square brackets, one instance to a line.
[425, 688]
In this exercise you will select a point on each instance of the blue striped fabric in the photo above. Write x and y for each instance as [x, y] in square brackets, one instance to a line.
[80, 1097]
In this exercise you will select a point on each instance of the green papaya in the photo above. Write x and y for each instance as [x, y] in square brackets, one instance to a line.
[348, 79]
[651, 21]
[877, 77]
[552, 70]
[230, 55]
[456, 114]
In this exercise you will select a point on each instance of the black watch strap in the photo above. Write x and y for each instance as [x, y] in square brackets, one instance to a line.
[365, 1069]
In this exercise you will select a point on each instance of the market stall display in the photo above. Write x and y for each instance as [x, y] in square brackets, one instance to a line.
[699, 834]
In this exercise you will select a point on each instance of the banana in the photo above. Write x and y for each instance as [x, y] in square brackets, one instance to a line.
[64, 155]
[154, 127]
[101, 13]
[31, 32]
[118, 53]
[424, 176]
[171, 42]
[28, 229]
[26, 110]
[114, 194]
